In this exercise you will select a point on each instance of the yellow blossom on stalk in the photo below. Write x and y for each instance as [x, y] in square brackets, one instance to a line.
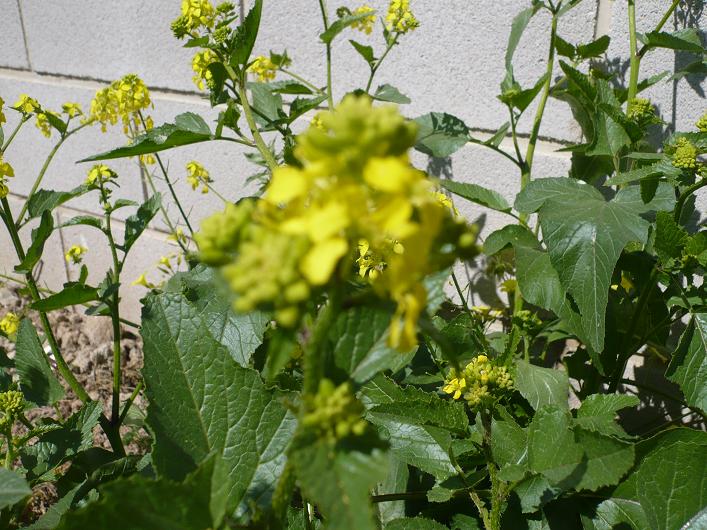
[400, 19]
[142, 280]
[197, 13]
[356, 206]
[75, 254]
[147, 160]
[200, 64]
[9, 324]
[198, 176]
[364, 25]
[100, 174]
[43, 124]
[72, 109]
[6, 169]
[177, 236]
[3, 119]
[316, 122]
[263, 68]
[123, 99]
[26, 104]
[480, 382]
[455, 385]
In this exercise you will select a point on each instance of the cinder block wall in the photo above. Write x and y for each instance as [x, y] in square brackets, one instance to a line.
[64, 50]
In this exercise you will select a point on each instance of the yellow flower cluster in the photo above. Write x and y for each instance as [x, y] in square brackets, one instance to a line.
[356, 183]
[641, 111]
[400, 19]
[685, 154]
[72, 109]
[365, 24]
[198, 176]
[6, 171]
[200, 64]
[42, 122]
[3, 119]
[99, 174]
[123, 99]
[12, 404]
[26, 104]
[701, 123]
[197, 13]
[263, 68]
[75, 254]
[334, 412]
[9, 324]
[480, 382]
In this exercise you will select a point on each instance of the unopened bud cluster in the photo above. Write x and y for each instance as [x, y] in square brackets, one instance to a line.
[480, 382]
[12, 403]
[334, 412]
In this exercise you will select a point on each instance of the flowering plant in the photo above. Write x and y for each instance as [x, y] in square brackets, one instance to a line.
[312, 359]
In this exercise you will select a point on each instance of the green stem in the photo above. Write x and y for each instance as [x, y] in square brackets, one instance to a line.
[458, 287]
[498, 150]
[313, 351]
[115, 319]
[259, 142]
[130, 401]
[301, 80]
[375, 67]
[686, 195]
[3, 148]
[325, 20]
[634, 58]
[169, 183]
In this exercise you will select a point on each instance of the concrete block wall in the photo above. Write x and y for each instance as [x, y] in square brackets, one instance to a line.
[64, 50]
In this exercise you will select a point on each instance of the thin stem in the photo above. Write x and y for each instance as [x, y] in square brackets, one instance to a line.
[686, 195]
[130, 401]
[375, 67]
[325, 20]
[634, 58]
[259, 142]
[514, 134]
[115, 319]
[497, 149]
[462, 297]
[211, 188]
[3, 148]
[301, 80]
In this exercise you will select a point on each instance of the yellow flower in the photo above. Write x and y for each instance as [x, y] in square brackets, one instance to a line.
[400, 19]
[123, 99]
[455, 385]
[197, 13]
[75, 254]
[364, 25]
[3, 119]
[147, 160]
[72, 109]
[9, 324]
[480, 382]
[6, 169]
[263, 68]
[43, 124]
[100, 174]
[177, 236]
[198, 176]
[200, 64]
[142, 280]
[26, 104]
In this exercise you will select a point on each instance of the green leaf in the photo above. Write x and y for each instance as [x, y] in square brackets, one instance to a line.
[440, 134]
[630, 198]
[205, 290]
[598, 413]
[534, 492]
[688, 367]
[520, 22]
[658, 169]
[73, 293]
[139, 503]
[289, 87]
[509, 444]
[339, 483]
[552, 450]
[478, 194]
[396, 480]
[515, 235]
[414, 523]
[268, 103]
[85, 220]
[300, 106]
[541, 386]
[341, 24]
[523, 98]
[136, 224]
[585, 236]
[499, 135]
[670, 237]
[617, 513]
[13, 488]
[390, 94]
[245, 35]
[203, 402]
[564, 48]
[687, 40]
[364, 51]
[594, 48]
[188, 129]
[44, 200]
[37, 381]
[607, 460]
[39, 238]
[610, 137]
[57, 446]
[666, 504]
[360, 338]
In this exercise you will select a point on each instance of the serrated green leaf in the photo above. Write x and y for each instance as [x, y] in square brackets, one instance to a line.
[440, 134]
[594, 48]
[390, 94]
[666, 505]
[268, 104]
[301, 106]
[477, 194]
[73, 293]
[37, 381]
[13, 488]
[57, 446]
[535, 491]
[610, 137]
[396, 480]
[688, 367]
[414, 523]
[509, 443]
[564, 48]
[541, 386]
[39, 238]
[244, 37]
[552, 450]
[339, 483]
[515, 235]
[140, 503]
[136, 224]
[630, 197]
[341, 24]
[44, 200]
[203, 402]
[670, 237]
[607, 460]
[364, 51]
[615, 513]
[687, 40]
[86, 220]
[598, 413]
